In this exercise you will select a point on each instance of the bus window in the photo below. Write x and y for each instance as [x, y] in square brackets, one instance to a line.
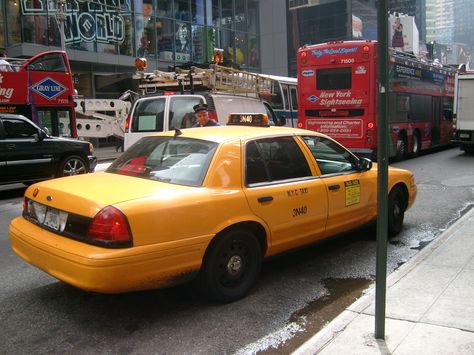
[286, 105]
[334, 78]
[448, 108]
[277, 99]
[419, 105]
[294, 98]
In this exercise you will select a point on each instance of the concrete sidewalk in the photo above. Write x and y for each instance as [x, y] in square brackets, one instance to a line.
[429, 309]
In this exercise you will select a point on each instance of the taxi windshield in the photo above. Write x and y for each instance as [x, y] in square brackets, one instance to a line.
[174, 160]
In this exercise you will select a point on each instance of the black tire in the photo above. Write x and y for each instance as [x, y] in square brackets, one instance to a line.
[416, 144]
[72, 165]
[401, 147]
[396, 211]
[231, 266]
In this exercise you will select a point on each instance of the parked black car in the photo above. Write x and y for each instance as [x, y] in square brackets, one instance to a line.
[29, 154]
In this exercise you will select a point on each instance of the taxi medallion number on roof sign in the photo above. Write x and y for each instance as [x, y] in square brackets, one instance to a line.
[352, 192]
[248, 119]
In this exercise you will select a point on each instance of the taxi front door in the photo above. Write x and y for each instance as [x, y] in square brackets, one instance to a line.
[351, 191]
[281, 190]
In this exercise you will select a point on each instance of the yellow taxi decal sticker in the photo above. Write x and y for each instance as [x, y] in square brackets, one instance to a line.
[352, 192]
[297, 192]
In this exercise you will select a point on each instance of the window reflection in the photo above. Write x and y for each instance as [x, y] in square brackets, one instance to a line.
[182, 10]
[198, 11]
[165, 38]
[183, 41]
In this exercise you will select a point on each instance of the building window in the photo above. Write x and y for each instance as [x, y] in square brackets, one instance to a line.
[240, 17]
[213, 13]
[164, 8]
[227, 14]
[165, 38]
[202, 44]
[183, 42]
[198, 12]
[182, 11]
[241, 45]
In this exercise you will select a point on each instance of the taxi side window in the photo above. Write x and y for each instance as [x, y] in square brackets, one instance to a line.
[274, 159]
[330, 156]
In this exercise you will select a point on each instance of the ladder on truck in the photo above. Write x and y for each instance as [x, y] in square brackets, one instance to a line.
[101, 118]
[216, 79]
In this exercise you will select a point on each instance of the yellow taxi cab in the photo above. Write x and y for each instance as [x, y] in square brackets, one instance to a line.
[206, 203]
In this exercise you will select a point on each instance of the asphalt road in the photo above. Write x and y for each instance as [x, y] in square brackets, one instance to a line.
[297, 293]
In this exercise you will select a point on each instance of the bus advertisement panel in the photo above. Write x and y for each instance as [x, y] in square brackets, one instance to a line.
[40, 88]
[337, 94]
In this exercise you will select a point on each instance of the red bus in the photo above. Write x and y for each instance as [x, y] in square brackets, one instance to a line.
[337, 91]
[41, 89]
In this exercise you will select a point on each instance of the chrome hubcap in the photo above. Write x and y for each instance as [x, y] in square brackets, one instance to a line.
[74, 167]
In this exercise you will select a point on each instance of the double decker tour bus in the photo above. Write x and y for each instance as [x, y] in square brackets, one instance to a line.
[41, 89]
[337, 91]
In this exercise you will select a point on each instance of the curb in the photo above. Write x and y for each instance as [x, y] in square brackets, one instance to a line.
[322, 338]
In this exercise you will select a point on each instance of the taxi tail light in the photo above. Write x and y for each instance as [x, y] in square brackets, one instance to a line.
[110, 227]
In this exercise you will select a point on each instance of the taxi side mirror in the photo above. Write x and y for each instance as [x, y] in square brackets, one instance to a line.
[365, 164]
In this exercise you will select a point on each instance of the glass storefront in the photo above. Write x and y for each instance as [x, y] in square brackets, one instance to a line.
[174, 31]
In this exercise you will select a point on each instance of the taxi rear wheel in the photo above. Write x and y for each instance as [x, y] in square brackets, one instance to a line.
[231, 266]
[396, 211]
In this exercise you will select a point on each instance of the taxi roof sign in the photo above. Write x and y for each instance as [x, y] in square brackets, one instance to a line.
[248, 119]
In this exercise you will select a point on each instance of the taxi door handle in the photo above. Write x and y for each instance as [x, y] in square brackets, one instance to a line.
[10, 146]
[334, 187]
[265, 199]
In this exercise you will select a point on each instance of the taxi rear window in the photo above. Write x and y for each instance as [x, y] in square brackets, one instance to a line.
[174, 160]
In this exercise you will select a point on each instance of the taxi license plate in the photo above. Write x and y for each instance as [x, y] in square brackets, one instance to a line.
[48, 216]
[51, 219]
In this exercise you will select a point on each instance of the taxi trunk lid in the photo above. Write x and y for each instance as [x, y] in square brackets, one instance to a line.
[87, 194]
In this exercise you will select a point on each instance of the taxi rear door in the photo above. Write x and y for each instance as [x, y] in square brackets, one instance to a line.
[282, 190]
[351, 191]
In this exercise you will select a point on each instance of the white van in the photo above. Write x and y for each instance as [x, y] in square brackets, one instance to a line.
[166, 112]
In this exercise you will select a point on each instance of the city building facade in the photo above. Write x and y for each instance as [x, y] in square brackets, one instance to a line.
[105, 36]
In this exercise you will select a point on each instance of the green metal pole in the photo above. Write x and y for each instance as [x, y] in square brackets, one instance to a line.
[382, 174]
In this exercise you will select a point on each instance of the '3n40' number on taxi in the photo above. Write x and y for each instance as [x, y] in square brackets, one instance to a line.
[298, 211]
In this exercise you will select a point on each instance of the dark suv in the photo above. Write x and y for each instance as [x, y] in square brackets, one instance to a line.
[28, 154]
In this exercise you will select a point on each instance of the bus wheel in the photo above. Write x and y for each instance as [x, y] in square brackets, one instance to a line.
[401, 147]
[231, 266]
[416, 144]
[72, 165]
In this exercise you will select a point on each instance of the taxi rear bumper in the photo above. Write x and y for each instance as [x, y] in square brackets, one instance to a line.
[103, 270]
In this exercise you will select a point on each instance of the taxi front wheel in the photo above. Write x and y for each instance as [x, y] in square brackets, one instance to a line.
[396, 211]
[231, 266]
